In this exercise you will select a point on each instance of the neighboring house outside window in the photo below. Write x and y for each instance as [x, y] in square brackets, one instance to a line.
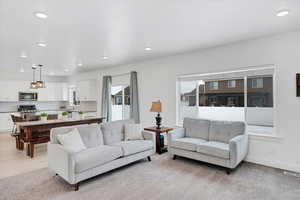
[117, 100]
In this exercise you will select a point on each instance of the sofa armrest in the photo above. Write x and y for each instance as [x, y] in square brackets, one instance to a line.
[176, 133]
[238, 149]
[149, 136]
[62, 162]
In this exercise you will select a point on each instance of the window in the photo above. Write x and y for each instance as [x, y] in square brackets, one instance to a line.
[231, 83]
[213, 85]
[218, 96]
[257, 82]
[187, 99]
[259, 111]
[120, 97]
[72, 99]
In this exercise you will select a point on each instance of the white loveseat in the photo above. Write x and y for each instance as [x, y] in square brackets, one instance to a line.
[221, 143]
[106, 150]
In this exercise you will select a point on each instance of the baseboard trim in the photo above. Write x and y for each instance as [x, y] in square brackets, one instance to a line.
[274, 164]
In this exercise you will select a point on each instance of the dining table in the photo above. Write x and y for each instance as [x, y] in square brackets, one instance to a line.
[38, 132]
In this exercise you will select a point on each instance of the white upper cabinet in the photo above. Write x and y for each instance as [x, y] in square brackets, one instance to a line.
[10, 90]
[54, 91]
[86, 90]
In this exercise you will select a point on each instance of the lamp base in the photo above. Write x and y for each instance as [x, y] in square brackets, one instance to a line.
[158, 121]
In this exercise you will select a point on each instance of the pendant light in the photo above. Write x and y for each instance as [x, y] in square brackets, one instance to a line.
[40, 83]
[33, 84]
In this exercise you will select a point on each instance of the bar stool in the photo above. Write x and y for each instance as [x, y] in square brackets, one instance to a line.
[15, 133]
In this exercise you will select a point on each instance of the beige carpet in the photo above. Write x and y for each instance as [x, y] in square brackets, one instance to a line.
[163, 178]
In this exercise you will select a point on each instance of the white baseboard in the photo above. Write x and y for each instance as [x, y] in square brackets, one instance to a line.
[275, 164]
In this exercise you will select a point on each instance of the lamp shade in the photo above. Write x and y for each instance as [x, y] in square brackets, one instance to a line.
[156, 107]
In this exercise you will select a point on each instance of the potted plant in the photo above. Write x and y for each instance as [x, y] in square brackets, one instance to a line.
[44, 116]
[81, 115]
[65, 115]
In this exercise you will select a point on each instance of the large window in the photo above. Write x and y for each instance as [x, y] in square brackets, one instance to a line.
[246, 97]
[120, 97]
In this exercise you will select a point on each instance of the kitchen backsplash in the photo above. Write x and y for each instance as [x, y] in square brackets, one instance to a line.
[87, 106]
[13, 106]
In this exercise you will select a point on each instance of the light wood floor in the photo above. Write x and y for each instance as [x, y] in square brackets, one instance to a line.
[14, 162]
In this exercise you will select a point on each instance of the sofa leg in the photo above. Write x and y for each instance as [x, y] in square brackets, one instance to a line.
[76, 187]
[174, 157]
[149, 158]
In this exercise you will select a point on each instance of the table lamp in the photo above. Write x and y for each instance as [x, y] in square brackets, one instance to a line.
[156, 107]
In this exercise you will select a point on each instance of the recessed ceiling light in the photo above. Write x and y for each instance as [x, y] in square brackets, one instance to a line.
[22, 70]
[105, 57]
[66, 70]
[41, 44]
[148, 49]
[80, 64]
[51, 73]
[41, 15]
[282, 13]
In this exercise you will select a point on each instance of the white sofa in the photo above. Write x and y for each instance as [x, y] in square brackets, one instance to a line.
[106, 150]
[221, 143]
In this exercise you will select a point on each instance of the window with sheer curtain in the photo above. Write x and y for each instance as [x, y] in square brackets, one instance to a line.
[243, 95]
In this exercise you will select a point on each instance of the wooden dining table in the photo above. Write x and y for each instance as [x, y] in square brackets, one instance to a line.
[38, 132]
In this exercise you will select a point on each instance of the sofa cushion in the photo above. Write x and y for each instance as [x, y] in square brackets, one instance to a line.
[96, 156]
[113, 132]
[217, 149]
[224, 131]
[72, 141]
[91, 135]
[196, 128]
[187, 143]
[133, 132]
[134, 146]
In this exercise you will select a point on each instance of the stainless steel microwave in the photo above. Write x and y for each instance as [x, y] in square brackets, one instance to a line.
[28, 96]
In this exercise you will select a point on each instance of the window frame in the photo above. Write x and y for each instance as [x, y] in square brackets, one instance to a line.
[211, 85]
[273, 133]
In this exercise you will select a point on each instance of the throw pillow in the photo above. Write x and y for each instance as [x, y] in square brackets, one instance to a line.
[133, 132]
[71, 141]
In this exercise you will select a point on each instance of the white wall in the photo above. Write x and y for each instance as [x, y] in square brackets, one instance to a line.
[157, 80]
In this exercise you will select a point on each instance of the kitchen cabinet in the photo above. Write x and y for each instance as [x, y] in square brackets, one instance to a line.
[53, 92]
[10, 90]
[86, 90]
[6, 123]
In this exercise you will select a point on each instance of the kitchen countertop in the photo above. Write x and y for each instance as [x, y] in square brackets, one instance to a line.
[85, 111]
[34, 123]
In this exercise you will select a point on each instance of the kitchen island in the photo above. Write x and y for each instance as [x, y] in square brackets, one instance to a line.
[37, 132]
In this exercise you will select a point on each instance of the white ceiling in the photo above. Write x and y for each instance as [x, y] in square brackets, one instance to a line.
[86, 30]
